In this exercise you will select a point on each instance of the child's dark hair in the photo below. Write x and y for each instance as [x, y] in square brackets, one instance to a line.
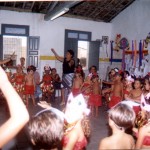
[93, 67]
[79, 69]
[34, 68]
[30, 68]
[127, 72]
[46, 130]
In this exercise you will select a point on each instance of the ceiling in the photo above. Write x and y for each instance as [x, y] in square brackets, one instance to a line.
[96, 10]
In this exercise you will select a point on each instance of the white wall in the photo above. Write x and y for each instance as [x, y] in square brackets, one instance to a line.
[132, 23]
[52, 32]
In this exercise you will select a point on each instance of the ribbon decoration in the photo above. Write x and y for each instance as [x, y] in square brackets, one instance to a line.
[135, 54]
[132, 55]
[111, 56]
[143, 49]
[123, 59]
[140, 53]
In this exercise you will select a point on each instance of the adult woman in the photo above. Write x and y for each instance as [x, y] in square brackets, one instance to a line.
[68, 70]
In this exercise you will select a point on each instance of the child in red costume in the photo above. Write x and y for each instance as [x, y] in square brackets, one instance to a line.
[47, 86]
[77, 82]
[86, 87]
[95, 97]
[29, 85]
[77, 129]
[19, 80]
[117, 90]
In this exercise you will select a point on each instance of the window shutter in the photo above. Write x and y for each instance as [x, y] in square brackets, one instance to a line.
[94, 53]
[1, 47]
[33, 51]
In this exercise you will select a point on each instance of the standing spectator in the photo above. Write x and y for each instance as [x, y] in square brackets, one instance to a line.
[38, 91]
[22, 62]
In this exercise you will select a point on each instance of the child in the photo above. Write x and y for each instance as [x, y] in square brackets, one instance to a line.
[77, 83]
[47, 86]
[56, 79]
[46, 129]
[18, 113]
[95, 97]
[29, 85]
[86, 87]
[135, 94]
[117, 90]
[19, 80]
[76, 126]
[121, 118]
[143, 132]
[128, 86]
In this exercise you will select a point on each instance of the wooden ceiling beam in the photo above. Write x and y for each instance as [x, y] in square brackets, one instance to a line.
[40, 5]
[24, 3]
[32, 5]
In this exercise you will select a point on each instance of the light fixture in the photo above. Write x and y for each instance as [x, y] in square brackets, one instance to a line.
[63, 11]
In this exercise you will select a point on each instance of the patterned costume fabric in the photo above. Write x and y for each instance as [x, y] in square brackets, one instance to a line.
[19, 83]
[79, 145]
[47, 86]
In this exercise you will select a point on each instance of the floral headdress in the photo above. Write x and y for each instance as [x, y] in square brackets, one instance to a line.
[47, 67]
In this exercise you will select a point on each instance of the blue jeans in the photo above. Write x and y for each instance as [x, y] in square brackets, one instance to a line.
[37, 91]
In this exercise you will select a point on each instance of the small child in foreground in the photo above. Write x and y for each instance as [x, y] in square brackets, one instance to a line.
[121, 118]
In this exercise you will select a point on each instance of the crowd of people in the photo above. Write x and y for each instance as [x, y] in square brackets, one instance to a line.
[126, 97]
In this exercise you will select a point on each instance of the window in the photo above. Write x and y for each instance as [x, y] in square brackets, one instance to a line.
[83, 53]
[15, 38]
[17, 44]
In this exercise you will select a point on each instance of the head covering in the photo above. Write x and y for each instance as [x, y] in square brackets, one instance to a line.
[116, 70]
[90, 75]
[47, 67]
[145, 102]
[75, 108]
[130, 79]
[7, 70]
[19, 66]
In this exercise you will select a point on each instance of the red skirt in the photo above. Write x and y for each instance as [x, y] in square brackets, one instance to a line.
[114, 100]
[95, 100]
[75, 91]
[29, 89]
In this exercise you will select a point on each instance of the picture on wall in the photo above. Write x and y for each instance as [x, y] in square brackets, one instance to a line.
[105, 39]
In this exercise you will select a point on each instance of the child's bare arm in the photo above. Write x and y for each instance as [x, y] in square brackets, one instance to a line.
[18, 113]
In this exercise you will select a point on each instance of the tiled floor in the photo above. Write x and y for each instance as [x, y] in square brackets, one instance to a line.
[21, 141]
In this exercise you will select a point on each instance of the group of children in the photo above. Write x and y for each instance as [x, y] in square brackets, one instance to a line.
[129, 97]
[89, 86]
[28, 84]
